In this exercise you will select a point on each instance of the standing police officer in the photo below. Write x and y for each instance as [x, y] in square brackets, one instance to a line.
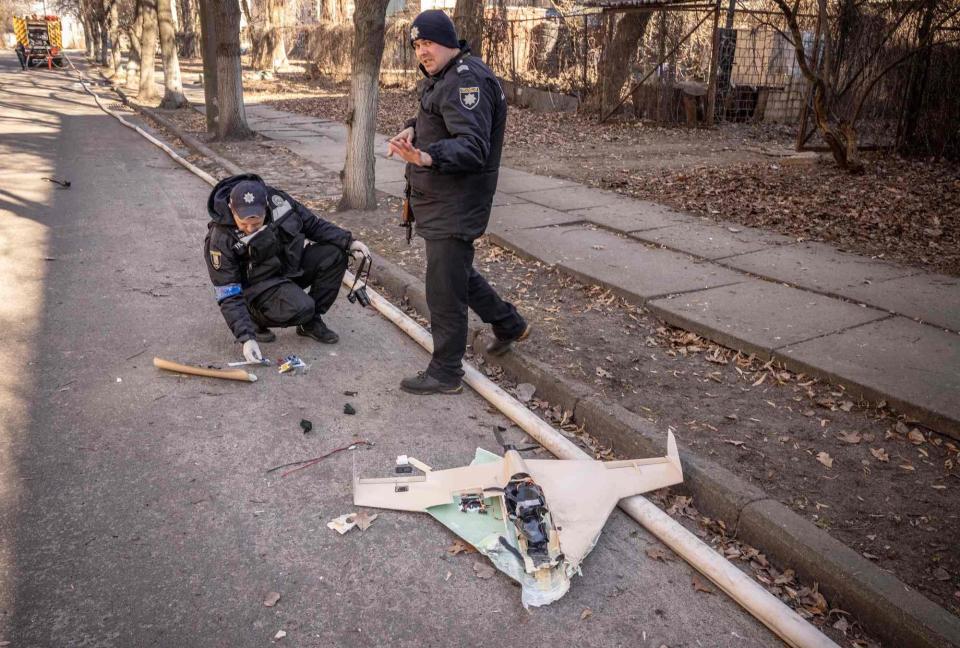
[259, 262]
[452, 149]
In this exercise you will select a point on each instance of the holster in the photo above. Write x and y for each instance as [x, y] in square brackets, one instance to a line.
[406, 214]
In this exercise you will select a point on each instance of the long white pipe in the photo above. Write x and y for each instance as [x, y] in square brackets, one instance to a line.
[768, 609]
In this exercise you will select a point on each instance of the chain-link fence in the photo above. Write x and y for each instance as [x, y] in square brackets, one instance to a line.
[693, 63]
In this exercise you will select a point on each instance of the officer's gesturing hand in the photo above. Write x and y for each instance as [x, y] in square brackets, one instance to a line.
[251, 351]
[358, 250]
[406, 135]
[408, 152]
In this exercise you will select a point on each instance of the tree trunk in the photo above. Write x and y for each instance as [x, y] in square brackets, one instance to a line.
[189, 43]
[618, 55]
[113, 26]
[147, 91]
[208, 48]
[919, 71]
[133, 62]
[358, 170]
[172, 85]
[231, 117]
[102, 15]
[468, 17]
[268, 51]
[333, 12]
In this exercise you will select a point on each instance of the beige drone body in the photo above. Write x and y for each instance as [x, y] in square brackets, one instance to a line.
[552, 510]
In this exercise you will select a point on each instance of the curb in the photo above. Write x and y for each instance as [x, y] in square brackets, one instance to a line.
[885, 606]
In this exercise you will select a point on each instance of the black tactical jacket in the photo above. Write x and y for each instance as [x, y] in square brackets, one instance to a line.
[241, 272]
[460, 123]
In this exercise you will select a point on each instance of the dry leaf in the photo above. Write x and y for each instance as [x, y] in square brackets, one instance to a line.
[699, 585]
[603, 373]
[586, 614]
[280, 635]
[916, 436]
[825, 459]
[271, 599]
[363, 520]
[880, 454]
[733, 442]
[656, 553]
[459, 546]
[850, 437]
[483, 570]
[525, 392]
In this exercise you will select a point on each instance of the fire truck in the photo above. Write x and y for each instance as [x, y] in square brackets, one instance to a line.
[42, 39]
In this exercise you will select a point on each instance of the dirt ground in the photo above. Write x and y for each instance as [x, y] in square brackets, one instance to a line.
[899, 209]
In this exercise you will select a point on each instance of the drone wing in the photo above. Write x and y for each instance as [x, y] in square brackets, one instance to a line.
[581, 494]
[434, 487]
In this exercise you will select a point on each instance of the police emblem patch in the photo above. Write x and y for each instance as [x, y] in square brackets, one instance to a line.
[414, 33]
[248, 198]
[469, 97]
[277, 199]
[216, 259]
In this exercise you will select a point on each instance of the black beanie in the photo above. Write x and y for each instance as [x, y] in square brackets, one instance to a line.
[434, 25]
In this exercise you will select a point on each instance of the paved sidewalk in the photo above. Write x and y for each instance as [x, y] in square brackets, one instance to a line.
[885, 331]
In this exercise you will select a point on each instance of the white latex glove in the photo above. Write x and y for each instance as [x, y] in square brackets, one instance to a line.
[251, 351]
[358, 250]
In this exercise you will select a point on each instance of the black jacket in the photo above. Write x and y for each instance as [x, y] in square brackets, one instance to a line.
[460, 123]
[240, 273]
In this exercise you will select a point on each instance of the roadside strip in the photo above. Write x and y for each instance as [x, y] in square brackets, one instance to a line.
[884, 605]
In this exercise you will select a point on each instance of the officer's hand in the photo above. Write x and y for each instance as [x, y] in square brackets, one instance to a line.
[406, 135]
[358, 250]
[251, 351]
[409, 153]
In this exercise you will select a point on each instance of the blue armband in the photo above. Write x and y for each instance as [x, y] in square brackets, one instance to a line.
[223, 292]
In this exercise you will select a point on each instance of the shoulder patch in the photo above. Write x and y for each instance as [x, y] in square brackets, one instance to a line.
[463, 68]
[277, 199]
[216, 259]
[469, 97]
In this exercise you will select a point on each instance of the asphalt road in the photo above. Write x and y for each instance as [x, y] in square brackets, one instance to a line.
[134, 505]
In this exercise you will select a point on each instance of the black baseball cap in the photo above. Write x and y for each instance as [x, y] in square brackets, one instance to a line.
[248, 199]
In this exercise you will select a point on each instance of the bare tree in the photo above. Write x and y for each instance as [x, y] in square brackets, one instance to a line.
[468, 17]
[147, 90]
[268, 49]
[189, 40]
[208, 47]
[133, 59]
[172, 84]
[358, 171]
[113, 29]
[231, 116]
[856, 55]
[333, 12]
[618, 55]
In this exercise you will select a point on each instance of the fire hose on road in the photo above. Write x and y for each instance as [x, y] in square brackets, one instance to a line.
[764, 606]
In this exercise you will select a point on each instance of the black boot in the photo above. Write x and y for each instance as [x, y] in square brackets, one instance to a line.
[318, 331]
[498, 347]
[265, 335]
[423, 384]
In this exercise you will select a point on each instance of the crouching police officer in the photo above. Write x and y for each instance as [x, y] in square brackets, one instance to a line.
[259, 262]
[452, 149]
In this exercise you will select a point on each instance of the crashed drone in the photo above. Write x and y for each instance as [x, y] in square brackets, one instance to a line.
[536, 520]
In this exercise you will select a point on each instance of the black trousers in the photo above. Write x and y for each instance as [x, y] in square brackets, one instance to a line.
[287, 304]
[453, 285]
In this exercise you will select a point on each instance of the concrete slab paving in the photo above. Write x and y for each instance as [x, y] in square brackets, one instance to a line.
[515, 181]
[930, 298]
[632, 269]
[526, 215]
[711, 241]
[914, 367]
[632, 215]
[568, 198]
[395, 188]
[816, 266]
[500, 198]
[388, 170]
[760, 316]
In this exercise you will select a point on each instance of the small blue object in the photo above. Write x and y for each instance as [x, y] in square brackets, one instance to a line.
[229, 290]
